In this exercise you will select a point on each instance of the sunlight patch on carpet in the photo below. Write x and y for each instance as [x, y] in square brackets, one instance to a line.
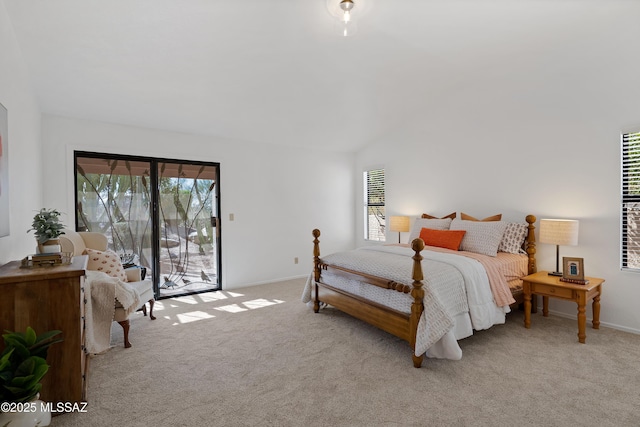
[192, 316]
[231, 308]
[261, 302]
[248, 305]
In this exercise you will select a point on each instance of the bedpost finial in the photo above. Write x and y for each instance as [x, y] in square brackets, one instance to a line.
[531, 219]
[316, 233]
[417, 244]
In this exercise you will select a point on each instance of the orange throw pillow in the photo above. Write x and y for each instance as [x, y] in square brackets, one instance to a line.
[448, 239]
[466, 217]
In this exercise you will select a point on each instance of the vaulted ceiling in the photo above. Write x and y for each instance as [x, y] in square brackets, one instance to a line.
[277, 71]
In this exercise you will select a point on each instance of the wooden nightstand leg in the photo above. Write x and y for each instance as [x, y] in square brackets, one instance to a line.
[527, 308]
[545, 306]
[582, 318]
[534, 303]
[596, 311]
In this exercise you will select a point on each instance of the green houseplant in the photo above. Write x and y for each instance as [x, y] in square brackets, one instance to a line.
[23, 364]
[47, 227]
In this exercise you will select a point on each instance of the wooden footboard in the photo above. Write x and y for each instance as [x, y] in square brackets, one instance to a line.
[394, 322]
[402, 325]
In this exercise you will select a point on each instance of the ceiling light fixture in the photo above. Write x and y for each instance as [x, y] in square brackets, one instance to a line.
[343, 10]
[348, 25]
[346, 6]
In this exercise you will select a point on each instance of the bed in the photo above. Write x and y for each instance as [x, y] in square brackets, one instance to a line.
[430, 295]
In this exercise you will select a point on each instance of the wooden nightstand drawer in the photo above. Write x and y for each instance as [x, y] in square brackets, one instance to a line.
[552, 291]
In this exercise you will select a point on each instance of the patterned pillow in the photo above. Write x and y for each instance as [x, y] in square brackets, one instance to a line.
[480, 237]
[435, 224]
[513, 238]
[108, 262]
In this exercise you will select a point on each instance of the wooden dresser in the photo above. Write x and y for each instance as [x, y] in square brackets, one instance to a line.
[48, 298]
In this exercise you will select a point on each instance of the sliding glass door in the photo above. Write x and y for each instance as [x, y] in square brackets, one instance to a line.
[188, 226]
[160, 214]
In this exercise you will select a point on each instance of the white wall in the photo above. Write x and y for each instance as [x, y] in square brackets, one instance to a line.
[25, 190]
[490, 150]
[534, 137]
[277, 194]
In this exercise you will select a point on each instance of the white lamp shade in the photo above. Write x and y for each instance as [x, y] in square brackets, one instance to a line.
[399, 223]
[562, 232]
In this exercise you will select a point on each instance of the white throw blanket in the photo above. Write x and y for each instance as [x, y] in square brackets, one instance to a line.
[101, 292]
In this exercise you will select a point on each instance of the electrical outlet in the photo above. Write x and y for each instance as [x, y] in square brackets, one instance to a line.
[295, 260]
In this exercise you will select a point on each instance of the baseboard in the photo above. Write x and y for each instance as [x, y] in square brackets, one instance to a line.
[281, 279]
[589, 320]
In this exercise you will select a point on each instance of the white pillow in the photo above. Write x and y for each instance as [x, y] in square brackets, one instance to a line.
[480, 237]
[435, 224]
[513, 238]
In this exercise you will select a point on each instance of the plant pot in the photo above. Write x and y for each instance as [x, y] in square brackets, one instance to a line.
[35, 414]
[49, 247]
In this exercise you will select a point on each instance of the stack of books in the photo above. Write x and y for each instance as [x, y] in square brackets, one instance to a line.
[576, 281]
[41, 260]
[46, 260]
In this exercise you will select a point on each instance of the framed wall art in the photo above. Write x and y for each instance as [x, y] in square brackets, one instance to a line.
[4, 173]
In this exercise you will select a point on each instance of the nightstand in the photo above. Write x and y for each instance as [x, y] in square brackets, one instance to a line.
[551, 286]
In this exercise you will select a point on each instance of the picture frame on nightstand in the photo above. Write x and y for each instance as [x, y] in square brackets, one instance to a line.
[573, 270]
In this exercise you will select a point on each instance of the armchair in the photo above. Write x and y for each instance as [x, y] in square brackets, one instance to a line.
[77, 242]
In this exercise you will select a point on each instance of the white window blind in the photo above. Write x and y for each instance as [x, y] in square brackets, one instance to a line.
[631, 201]
[374, 215]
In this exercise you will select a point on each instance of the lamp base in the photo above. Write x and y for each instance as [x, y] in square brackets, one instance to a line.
[555, 273]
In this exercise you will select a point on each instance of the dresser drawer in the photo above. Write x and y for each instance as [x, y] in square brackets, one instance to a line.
[551, 291]
[46, 299]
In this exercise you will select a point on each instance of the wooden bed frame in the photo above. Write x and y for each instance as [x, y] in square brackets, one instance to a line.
[402, 325]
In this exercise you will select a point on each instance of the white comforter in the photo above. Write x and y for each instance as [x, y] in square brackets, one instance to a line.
[457, 300]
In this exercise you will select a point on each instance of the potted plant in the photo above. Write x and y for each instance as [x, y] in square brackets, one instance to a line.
[23, 364]
[47, 227]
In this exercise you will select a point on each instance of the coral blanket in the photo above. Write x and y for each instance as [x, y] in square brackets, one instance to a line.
[102, 292]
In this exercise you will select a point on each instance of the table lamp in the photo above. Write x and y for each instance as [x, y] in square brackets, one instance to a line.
[399, 224]
[559, 232]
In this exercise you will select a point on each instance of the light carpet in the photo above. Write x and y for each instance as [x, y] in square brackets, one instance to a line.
[258, 356]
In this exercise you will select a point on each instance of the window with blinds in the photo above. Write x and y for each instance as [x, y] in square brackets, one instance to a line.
[374, 216]
[631, 201]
